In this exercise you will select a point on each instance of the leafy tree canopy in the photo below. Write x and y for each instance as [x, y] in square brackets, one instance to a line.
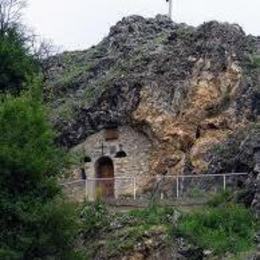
[35, 222]
[17, 66]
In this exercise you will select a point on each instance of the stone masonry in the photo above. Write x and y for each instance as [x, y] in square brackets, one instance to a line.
[137, 149]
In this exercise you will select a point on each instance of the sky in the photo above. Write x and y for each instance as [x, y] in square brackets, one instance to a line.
[79, 24]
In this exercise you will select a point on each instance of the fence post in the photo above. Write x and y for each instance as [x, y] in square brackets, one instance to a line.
[86, 188]
[177, 187]
[134, 188]
[162, 196]
[224, 182]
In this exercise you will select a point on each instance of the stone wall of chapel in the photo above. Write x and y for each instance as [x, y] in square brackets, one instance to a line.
[136, 164]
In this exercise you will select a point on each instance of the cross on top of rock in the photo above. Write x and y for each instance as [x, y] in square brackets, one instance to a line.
[170, 8]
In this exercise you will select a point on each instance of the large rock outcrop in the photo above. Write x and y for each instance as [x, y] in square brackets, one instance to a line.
[188, 89]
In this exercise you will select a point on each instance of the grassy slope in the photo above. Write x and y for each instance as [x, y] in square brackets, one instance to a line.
[226, 229]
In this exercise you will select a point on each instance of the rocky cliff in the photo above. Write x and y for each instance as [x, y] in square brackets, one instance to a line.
[188, 89]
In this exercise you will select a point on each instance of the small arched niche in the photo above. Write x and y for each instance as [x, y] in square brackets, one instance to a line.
[121, 154]
[83, 174]
[87, 159]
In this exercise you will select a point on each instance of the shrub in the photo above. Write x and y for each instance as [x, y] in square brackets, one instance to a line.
[41, 231]
[111, 234]
[28, 156]
[154, 215]
[95, 217]
[35, 224]
[220, 199]
[227, 229]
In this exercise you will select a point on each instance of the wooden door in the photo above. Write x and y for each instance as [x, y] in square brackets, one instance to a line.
[105, 176]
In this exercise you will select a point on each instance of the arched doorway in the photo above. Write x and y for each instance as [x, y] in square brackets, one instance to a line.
[104, 168]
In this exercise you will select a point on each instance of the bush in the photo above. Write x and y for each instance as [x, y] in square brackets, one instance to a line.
[228, 229]
[220, 199]
[28, 156]
[35, 224]
[154, 215]
[114, 234]
[41, 231]
[95, 218]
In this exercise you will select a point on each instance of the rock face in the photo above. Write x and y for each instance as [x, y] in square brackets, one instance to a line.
[187, 89]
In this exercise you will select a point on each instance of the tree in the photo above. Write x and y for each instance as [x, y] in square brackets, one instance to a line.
[10, 14]
[17, 62]
[35, 222]
[22, 53]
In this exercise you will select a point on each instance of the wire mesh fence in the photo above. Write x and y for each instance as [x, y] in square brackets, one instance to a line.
[110, 188]
[75, 190]
[189, 188]
[196, 188]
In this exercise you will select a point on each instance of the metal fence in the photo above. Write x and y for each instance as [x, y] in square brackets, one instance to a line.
[75, 190]
[193, 188]
[168, 188]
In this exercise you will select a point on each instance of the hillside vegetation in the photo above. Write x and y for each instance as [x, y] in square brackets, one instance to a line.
[224, 230]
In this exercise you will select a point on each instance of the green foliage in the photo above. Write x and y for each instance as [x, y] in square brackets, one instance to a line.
[126, 239]
[77, 157]
[66, 110]
[37, 230]
[70, 77]
[197, 193]
[160, 38]
[185, 33]
[220, 199]
[154, 215]
[95, 217]
[224, 229]
[17, 65]
[228, 228]
[35, 221]
[121, 232]
[35, 224]
[27, 151]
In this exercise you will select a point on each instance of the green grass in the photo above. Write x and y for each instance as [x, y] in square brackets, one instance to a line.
[136, 225]
[154, 215]
[119, 233]
[225, 229]
[95, 219]
[221, 226]
[220, 199]
[125, 239]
